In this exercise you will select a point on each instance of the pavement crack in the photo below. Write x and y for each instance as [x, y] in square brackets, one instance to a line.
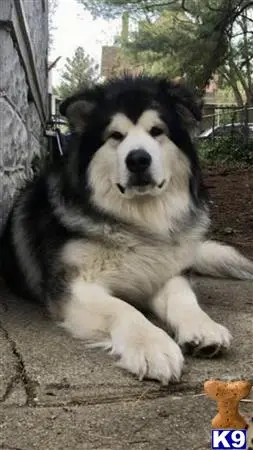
[178, 394]
[7, 447]
[21, 374]
[9, 387]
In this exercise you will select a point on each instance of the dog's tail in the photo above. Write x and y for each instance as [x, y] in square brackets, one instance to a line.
[219, 260]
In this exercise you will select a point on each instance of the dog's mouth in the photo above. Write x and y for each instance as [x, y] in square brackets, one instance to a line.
[121, 188]
[141, 187]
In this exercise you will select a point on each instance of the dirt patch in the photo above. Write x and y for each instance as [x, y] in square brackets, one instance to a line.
[231, 194]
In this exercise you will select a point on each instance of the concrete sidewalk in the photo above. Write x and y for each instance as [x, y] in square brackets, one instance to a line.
[56, 395]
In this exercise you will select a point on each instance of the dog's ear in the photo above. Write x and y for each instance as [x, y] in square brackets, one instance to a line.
[78, 108]
[188, 104]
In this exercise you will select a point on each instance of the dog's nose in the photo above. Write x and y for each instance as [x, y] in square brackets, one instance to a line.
[138, 161]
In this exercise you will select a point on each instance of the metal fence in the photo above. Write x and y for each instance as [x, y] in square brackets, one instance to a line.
[229, 118]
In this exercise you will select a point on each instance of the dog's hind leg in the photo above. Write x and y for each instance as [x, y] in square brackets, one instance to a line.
[177, 305]
[91, 312]
[219, 260]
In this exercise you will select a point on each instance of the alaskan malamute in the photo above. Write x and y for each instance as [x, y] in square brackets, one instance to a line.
[114, 228]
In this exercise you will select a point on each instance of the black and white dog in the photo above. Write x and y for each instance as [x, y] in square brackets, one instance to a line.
[111, 231]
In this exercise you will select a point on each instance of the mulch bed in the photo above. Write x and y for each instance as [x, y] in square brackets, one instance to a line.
[231, 194]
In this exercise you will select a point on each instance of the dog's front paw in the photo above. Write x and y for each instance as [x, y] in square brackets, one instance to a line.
[147, 351]
[202, 336]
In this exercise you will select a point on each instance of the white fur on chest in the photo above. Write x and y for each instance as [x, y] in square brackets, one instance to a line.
[130, 269]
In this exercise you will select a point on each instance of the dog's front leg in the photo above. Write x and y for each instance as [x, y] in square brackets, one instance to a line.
[144, 349]
[176, 304]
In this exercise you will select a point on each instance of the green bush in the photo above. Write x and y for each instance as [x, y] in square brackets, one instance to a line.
[226, 149]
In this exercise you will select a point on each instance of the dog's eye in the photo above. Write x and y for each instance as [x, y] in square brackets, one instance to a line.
[156, 131]
[117, 136]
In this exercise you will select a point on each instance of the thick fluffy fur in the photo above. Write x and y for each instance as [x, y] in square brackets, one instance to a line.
[110, 231]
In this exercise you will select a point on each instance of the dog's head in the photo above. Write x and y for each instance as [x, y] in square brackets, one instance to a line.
[133, 135]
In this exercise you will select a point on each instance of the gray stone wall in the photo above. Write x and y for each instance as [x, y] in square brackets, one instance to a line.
[21, 118]
[36, 15]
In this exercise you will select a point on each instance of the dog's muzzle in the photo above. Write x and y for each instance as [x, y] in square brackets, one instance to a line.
[138, 161]
[138, 164]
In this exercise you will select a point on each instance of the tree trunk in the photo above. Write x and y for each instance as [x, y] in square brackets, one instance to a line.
[229, 77]
[237, 94]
